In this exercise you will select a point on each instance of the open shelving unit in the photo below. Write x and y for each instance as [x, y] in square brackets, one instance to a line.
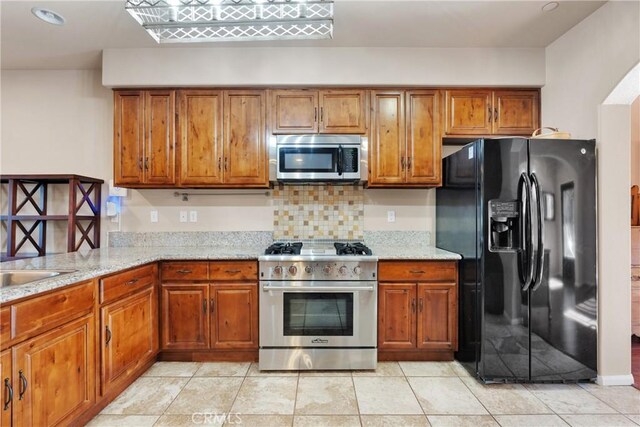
[27, 212]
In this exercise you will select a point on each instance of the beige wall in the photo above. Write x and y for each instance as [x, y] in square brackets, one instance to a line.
[582, 68]
[635, 142]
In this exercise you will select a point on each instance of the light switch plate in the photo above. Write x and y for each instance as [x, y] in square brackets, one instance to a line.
[391, 216]
[154, 216]
[193, 216]
[183, 216]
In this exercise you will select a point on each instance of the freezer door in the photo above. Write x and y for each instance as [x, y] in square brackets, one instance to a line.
[506, 268]
[563, 294]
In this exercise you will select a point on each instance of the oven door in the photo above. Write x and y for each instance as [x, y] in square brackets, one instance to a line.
[318, 314]
[317, 162]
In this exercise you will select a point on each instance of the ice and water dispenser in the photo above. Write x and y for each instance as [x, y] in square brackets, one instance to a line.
[504, 226]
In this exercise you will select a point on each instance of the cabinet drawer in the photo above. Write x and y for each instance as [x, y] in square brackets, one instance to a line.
[48, 311]
[233, 270]
[113, 287]
[417, 271]
[177, 270]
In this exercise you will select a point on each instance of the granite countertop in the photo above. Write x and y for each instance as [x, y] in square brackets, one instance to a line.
[91, 264]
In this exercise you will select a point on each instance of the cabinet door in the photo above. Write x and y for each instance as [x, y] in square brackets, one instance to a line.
[386, 161]
[234, 316]
[55, 375]
[200, 136]
[7, 388]
[159, 156]
[342, 111]
[424, 141]
[185, 319]
[129, 336]
[468, 112]
[515, 112]
[294, 111]
[437, 316]
[397, 316]
[245, 154]
[128, 132]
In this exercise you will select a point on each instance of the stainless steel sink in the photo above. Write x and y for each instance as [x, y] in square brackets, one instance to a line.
[20, 277]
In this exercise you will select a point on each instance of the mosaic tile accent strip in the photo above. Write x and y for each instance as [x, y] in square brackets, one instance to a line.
[318, 212]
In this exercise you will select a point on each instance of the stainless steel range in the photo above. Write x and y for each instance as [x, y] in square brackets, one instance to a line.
[318, 306]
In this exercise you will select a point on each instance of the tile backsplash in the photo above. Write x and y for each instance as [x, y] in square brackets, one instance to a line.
[318, 212]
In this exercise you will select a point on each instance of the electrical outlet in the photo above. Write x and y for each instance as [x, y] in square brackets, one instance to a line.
[154, 216]
[183, 216]
[391, 216]
[193, 216]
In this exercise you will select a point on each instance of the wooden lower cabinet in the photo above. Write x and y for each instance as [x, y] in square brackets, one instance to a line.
[397, 316]
[7, 388]
[129, 336]
[185, 317]
[437, 316]
[54, 375]
[234, 316]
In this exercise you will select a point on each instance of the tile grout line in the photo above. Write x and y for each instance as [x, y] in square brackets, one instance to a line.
[355, 392]
[601, 400]
[233, 402]
[178, 394]
[575, 413]
[295, 400]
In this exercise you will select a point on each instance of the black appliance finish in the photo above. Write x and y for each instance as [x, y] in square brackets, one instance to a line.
[280, 248]
[522, 213]
[351, 249]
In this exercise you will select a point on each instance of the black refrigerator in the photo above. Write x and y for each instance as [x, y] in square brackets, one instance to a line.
[522, 213]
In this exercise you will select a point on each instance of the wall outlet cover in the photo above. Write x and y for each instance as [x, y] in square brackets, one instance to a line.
[116, 191]
[183, 216]
[391, 216]
[193, 216]
[154, 216]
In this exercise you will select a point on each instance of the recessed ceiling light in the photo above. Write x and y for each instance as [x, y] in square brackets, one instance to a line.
[550, 6]
[48, 16]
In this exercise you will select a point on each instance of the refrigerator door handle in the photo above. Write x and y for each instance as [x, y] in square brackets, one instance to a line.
[540, 265]
[528, 256]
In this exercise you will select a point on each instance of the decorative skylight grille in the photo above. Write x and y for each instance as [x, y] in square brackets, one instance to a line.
[180, 21]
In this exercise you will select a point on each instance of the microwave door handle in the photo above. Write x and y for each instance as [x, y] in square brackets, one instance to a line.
[340, 160]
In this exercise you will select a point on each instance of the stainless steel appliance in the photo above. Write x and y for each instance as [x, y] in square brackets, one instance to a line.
[522, 213]
[322, 158]
[318, 307]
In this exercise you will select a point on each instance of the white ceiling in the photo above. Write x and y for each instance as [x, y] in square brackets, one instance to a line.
[93, 25]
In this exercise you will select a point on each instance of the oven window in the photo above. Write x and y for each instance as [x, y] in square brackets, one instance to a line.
[307, 159]
[325, 314]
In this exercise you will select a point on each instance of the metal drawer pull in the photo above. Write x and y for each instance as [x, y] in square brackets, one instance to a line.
[416, 271]
[23, 385]
[7, 385]
[318, 288]
[233, 271]
[132, 282]
[108, 333]
[421, 305]
[184, 271]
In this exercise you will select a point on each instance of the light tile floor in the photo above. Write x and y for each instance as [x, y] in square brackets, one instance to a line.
[396, 394]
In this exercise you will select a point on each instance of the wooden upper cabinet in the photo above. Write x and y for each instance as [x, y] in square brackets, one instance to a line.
[245, 154]
[200, 136]
[48, 393]
[159, 160]
[128, 135]
[185, 317]
[343, 111]
[468, 112]
[387, 164]
[234, 316]
[424, 140]
[437, 316]
[397, 316]
[294, 111]
[516, 112]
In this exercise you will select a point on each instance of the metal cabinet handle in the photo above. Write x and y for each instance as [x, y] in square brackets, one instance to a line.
[315, 114]
[23, 385]
[225, 164]
[402, 163]
[219, 163]
[7, 385]
[413, 305]
[408, 163]
[490, 114]
[108, 332]
[232, 271]
[421, 305]
[495, 114]
[132, 281]
[322, 114]
[140, 163]
[146, 163]
[212, 305]
[416, 271]
[184, 271]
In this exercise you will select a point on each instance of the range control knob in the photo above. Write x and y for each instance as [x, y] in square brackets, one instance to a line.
[293, 270]
[308, 269]
[357, 270]
[343, 270]
[326, 269]
[277, 270]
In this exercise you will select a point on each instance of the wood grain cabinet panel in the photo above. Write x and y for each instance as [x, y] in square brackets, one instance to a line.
[6, 383]
[424, 140]
[200, 135]
[49, 393]
[396, 316]
[387, 165]
[234, 316]
[342, 111]
[185, 316]
[245, 153]
[294, 111]
[468, 112]
[5, 326]
[515, 112]
[185, 271]
[121, 284]
[159, 156]
[129, 336]
[129, 136]
[233, 270]
[437, 316]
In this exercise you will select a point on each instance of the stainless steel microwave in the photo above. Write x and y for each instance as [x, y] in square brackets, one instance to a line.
[309, 158]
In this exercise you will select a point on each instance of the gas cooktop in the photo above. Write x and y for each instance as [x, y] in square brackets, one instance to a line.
[318, 248]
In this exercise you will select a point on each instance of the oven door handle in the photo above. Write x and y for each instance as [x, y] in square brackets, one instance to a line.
[319, 288]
